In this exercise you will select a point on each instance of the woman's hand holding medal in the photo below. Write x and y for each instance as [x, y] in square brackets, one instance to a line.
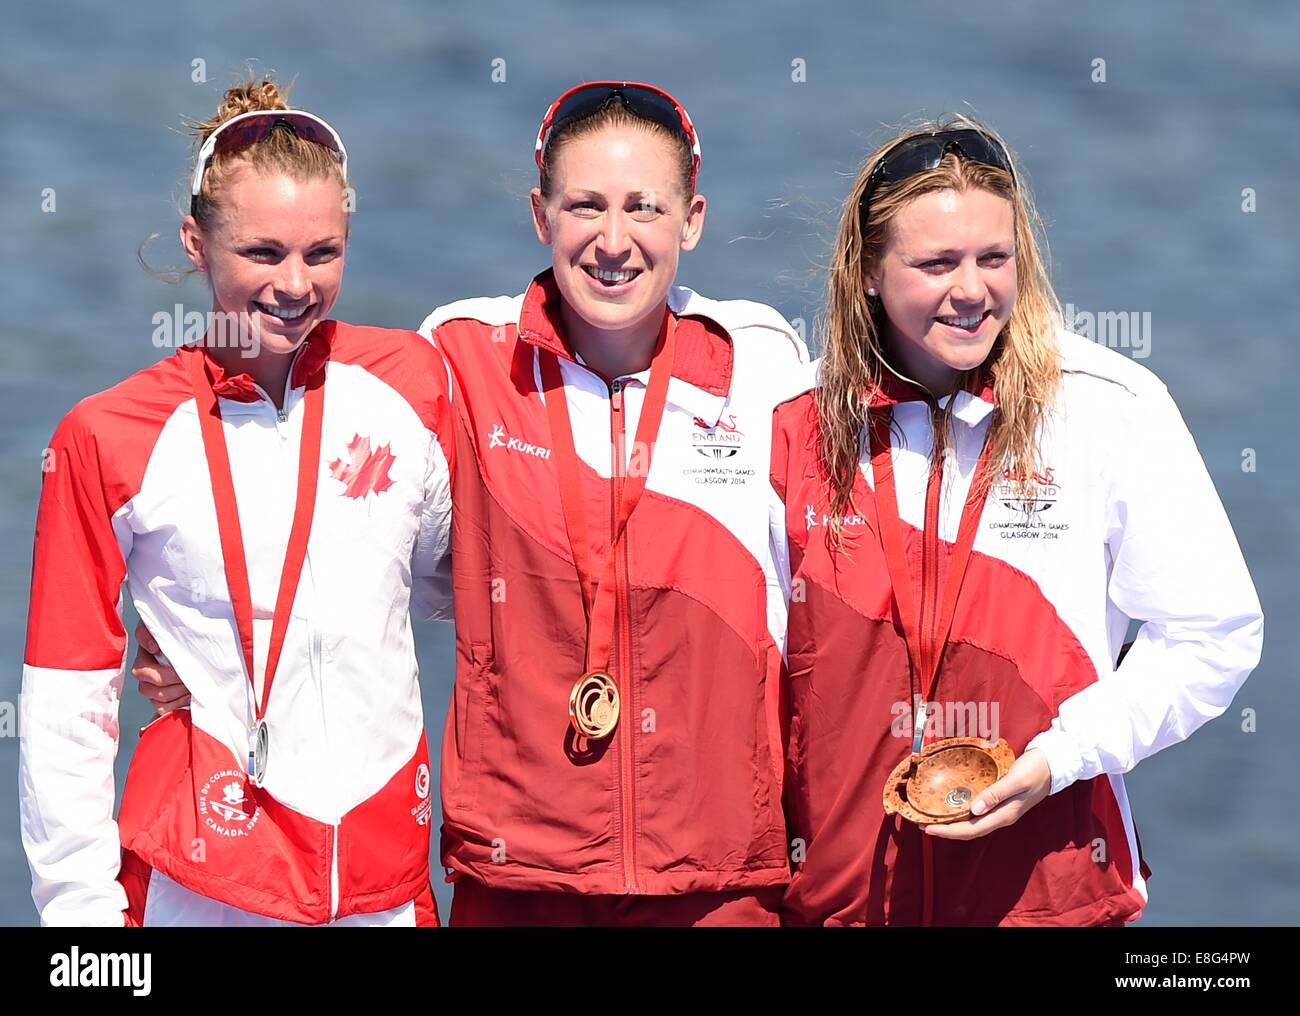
[1002, 803]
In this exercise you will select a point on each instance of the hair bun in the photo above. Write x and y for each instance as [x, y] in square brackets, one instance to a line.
[271, 151]
[246, 97]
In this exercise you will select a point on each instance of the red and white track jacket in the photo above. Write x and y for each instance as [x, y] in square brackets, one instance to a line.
[341, 825]
[1127, 524]
[685, 795]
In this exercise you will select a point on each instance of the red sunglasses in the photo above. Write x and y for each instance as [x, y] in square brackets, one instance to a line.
[644, 100]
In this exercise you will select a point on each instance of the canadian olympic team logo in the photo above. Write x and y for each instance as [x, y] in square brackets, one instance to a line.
[225, 808]
[423, 811]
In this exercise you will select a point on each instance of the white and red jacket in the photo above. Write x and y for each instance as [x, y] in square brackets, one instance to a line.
[685, 795]
[340, 826]
[1126, 524]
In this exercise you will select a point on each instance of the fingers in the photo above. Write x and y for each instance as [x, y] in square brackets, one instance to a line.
[972, 829]
[994, 794]
[148, 668]
[165, 705]
[158, 683]
[1002, 803]
[167, 694]
[163, 695]
[1028, 776]
[164, 700]
[146, 639]
[145, 663]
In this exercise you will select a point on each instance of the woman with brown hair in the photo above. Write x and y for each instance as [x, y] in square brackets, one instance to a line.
[975, 504]
[612, 754]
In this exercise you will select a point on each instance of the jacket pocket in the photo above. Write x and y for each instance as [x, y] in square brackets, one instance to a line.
[478, 694]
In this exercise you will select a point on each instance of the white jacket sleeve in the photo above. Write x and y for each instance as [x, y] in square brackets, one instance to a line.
[431, 558]
[72, 681]
[1176, 566]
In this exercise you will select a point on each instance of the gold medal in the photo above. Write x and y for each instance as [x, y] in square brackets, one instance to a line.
[593, 705]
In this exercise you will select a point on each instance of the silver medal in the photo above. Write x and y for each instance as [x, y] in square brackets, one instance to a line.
[261, 748]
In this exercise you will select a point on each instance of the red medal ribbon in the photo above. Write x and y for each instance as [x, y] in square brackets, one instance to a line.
[925, 653]
[599, 604]
[232, 539]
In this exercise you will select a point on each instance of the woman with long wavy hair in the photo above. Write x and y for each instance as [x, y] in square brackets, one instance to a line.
[975, 504]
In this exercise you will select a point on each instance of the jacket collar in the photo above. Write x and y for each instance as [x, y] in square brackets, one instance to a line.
[702, 364]
[307, 362]
[972, 402]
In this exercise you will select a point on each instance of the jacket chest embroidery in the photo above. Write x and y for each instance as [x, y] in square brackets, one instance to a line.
[812, 519]
[1029, 516]
[718, 446]
[365, 470]
[498, 438]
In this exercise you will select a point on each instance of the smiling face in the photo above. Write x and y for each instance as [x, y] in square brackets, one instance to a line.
[616, 222]
[274, 256]
[947, 281]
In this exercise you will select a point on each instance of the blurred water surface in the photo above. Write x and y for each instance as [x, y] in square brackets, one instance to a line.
[1140, 176]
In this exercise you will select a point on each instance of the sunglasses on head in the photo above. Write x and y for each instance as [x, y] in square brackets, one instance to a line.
[249, 128]
[645, 101]
[925, 151]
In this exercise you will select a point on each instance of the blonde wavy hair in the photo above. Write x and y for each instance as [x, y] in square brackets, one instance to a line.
[1024, 360]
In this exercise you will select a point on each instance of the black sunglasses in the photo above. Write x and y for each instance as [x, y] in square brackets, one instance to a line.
[925, 151]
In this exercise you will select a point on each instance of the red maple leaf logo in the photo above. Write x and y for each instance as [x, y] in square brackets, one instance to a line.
[365, 471]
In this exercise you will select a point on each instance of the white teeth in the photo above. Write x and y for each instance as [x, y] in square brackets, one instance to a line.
[626, 275]
[963, 322]
[283, 313]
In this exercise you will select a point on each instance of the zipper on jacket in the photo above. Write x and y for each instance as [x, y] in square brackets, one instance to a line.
[930, 558]
[282, 411]
[314, 658]
[318, 675]
[930, 594]
[313, 646]
[618, 438]
[332, 844]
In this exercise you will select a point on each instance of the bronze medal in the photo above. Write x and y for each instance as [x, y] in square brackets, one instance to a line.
[940, 784]
[593, 705]
[594, 700]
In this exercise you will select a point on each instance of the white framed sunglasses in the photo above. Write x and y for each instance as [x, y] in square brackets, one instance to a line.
[249, 128]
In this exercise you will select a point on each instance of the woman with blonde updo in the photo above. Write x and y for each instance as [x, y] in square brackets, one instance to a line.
[262, 492]
[976, 503]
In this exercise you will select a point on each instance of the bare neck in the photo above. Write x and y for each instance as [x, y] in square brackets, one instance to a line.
[612, 354]
[918, 366]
